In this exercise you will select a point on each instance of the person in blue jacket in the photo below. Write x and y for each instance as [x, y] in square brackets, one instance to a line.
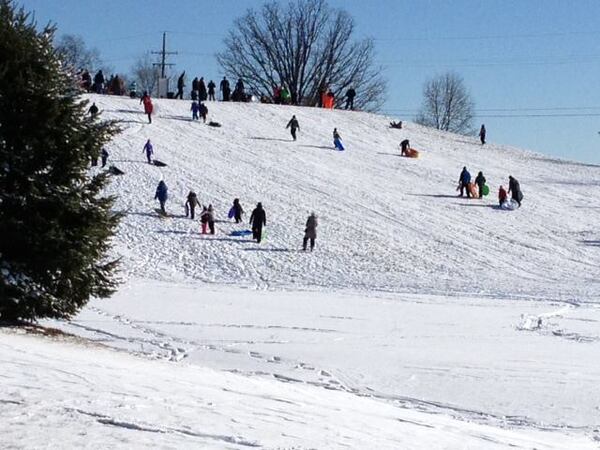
[463, 181]
[161, 195]
[149, 151]
[195, 110]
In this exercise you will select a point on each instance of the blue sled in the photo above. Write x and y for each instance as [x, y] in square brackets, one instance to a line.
[338, 145]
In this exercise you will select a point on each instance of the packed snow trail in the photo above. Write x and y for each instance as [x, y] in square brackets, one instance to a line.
[387, 223]
[72, 395]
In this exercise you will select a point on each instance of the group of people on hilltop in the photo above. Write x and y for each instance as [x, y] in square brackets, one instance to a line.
[465, 185]
[114, 85]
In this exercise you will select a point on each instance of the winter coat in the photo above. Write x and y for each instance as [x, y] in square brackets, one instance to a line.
[104, 154]
[336, 135]
[207, 216]
[203, 109]
[480, 179]
[351, 93]
[161, 192]
[148, 149]
[147, 101]
[293, 124]
[180, 82]
[99, 78]
[502, 195]
[224, 85]
[513, 185]
[310, 231]
[258, 217]
[211, 87]
[465, 177]
[195, 84]
[237, 209]
[195, 107]
[192, 200]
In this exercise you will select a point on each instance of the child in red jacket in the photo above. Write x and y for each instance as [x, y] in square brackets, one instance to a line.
[502, 195]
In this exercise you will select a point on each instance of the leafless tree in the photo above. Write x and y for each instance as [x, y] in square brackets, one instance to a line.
[307, 47]
[447, 105]
[76, 55]
[145, 74]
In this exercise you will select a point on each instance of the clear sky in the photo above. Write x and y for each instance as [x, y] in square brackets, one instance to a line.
[532, 66]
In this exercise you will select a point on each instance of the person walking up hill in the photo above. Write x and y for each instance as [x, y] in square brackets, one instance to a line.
[310, 232]
[293, 125]
[463, 182]
[480, 182]
[258, 219]
[514, 188]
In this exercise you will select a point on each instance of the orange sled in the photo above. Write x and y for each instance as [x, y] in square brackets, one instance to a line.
[412, 153]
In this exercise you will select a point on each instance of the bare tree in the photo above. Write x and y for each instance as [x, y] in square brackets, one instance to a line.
[145, 74]
[306, 46]
[447, 105]
[75, 54]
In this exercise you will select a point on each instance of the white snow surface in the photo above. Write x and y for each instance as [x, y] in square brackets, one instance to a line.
[422, 320]
[75, 396]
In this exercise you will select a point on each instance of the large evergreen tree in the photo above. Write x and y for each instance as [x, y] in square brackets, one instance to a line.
[55, 225]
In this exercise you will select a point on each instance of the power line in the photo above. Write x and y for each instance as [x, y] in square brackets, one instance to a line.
[493, 37]
[163, 54]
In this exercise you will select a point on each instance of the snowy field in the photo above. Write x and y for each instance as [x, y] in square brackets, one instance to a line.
[422, 320]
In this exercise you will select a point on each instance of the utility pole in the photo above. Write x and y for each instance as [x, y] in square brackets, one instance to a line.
[163, 82]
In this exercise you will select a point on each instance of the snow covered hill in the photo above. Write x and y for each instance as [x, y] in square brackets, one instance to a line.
[386, 223]
[422, 320]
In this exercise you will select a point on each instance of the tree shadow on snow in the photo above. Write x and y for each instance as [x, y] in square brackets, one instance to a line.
[258, 138]
[132, 121]
[132, 111]
[181, 118]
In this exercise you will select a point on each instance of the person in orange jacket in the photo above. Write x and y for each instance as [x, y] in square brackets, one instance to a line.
[502, 195]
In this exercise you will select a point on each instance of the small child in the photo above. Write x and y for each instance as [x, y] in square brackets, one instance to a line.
[502, 195]
[195, 110]
[207, 218]
[236, 211]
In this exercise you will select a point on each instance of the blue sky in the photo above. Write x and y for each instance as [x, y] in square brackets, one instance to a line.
[518, 58]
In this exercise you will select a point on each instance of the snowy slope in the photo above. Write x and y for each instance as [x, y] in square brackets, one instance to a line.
[422, 320]
[87, 397]
[387, 223]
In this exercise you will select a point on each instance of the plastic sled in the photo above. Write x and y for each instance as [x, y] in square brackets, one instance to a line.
[509, 205]
[214, 124]
[240, 233]
[412, 153]
[338, 144]
[158, 163]
[231, 212]
[472, 187]
[485, 190]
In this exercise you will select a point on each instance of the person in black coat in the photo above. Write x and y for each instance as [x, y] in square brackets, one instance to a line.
[480, 182]
[404, 146]
[99, 82]
[211, 89]
[225, 89]
[258, 219]
[180, 86]
[482, 133]
[195, 84]
[237, 210]
[190, 204]
[350, 98]
[104, 154]
[93, 111]
[514, 188]
[293, 125]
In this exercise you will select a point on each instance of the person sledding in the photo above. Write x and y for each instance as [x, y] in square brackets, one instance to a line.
[293, 125]
[502, 196]
[258, 219]
[236, 211]
[149, 150]
[190, 204]
[162, 195]
[480, 182]
[514, 188]
[463, 182]
[337, 140]
[310, 232]
[207, 218]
